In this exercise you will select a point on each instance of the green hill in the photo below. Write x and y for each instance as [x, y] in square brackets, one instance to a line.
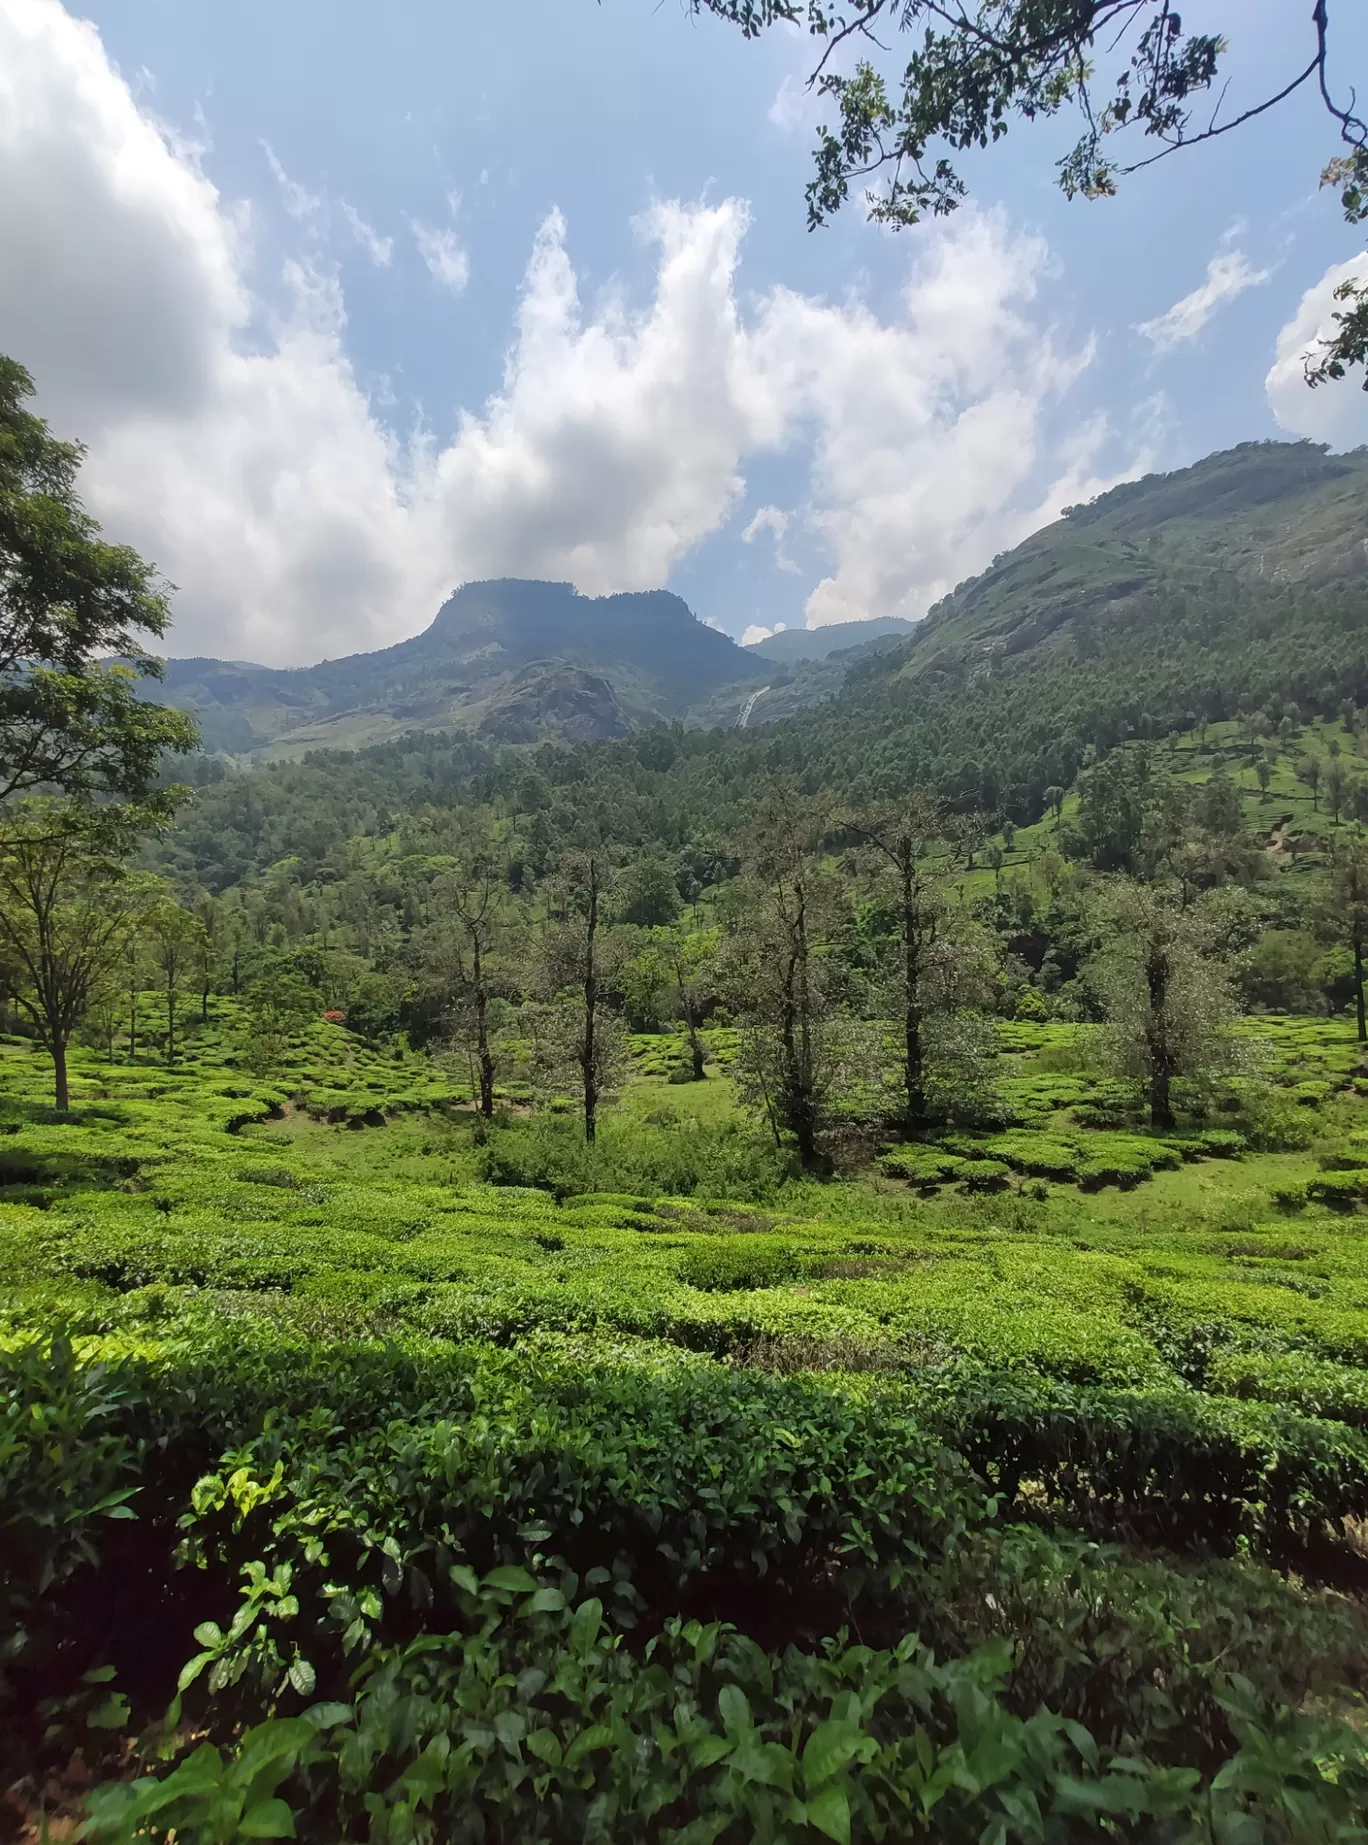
[1273, 514]
[793, 644]
[510, 660]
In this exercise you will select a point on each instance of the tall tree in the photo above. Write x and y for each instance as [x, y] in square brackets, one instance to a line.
[1348, 907]
[580, 954]
[208, 948]
[65, 905]
[1162, 971]
[690, 958]
[74, 611]
[914, 852]
[1124, 67]
[457, 953]
[175, 944]
[783, 983]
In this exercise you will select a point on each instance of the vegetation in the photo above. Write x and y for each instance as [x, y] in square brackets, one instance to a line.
[1124, 66]
[707, 1286]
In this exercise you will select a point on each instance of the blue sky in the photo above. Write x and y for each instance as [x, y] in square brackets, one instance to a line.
[353, 302]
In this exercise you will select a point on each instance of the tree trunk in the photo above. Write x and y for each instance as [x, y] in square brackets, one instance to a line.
[589, 1054]
[59, 1072]
[204, 1003]
[1358, 988]
[132, 1026]
[914, 1053]
[170, 1026]
[696, 1052]
[1161, 1058]
[482, 1034]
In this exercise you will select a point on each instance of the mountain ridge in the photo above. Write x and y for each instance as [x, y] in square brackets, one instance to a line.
[653, 659]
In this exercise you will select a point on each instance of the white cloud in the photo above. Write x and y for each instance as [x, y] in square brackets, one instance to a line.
[1333, 413]
[441, 250]
[379, 249]
[230, 440]
[771, 519]
[317, 212]
[925, 430]
[1227, 276]
[756, 633]
[299, 202]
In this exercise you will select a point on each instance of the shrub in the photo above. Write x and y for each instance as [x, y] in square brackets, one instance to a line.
[1340, 1190]
[724, 1266]
[678, 1162]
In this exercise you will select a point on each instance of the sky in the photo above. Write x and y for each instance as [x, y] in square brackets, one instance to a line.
[353, 303]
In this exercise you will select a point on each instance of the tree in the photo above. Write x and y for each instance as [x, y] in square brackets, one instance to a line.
[1309, 772]
[582, 1029]
[1336, 787]
[175, 941]
[913, 852]
[1125, 67]
[1348, 906]
[457, 954]
[783, 984]
[1162, 972]
[133, 975]
[72, 609]
[1115, 799]
[1054, 802]
[691, 962]
[64, 911]
[1263, 771]
[649, 895]
[208, 948]
[277, 1004]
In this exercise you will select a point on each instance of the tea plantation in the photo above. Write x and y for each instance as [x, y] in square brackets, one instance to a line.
[371, 1472]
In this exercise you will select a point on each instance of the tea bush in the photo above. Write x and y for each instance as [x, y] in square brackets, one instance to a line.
[363, 1470]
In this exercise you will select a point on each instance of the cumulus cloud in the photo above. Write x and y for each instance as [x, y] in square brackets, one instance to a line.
[1227, 276]
[441, 250]
[229, 437]
[925, 429]
[1333, 413]
[756, 633]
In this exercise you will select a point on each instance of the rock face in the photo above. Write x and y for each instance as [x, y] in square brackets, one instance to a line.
[598, 666]
[548, 699]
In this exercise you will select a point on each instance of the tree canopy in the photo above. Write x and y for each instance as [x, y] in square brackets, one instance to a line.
[75, 612]
[1124, 67]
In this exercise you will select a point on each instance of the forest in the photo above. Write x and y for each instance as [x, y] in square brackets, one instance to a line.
[794, 1283]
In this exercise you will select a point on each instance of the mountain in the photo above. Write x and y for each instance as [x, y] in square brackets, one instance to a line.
[1270, 514]
[793, 644]
[512, 660]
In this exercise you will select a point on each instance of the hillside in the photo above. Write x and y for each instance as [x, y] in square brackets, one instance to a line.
[1274, 514]
[510, 660]
[793, 644]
